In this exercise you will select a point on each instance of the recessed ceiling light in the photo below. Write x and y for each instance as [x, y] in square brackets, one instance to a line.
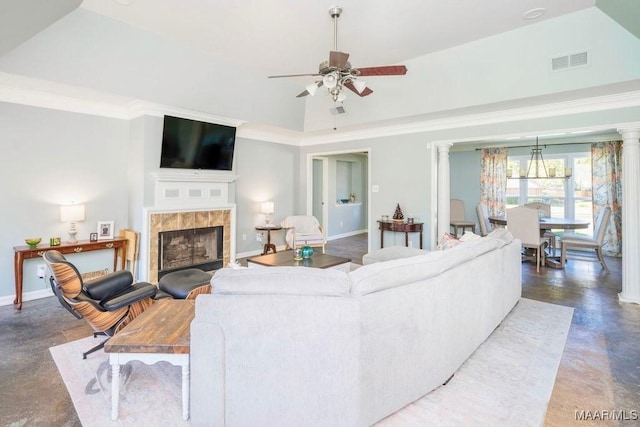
[124, 2]
[534, 13]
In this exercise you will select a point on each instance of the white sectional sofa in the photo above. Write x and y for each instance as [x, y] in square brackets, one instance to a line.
[295, 346]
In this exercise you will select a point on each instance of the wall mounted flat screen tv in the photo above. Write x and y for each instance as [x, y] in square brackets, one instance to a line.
[191, 144]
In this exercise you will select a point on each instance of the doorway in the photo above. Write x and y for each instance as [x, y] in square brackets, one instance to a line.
[338, 185]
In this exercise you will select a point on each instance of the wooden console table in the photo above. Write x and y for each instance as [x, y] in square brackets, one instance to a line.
[119, 246]
[400, 227]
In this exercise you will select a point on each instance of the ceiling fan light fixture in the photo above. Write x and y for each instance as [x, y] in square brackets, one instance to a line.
[341, 97]
[311, 88]
[330, 81]
[360, 85]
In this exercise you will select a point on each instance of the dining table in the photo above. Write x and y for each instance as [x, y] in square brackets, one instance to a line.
[548, 223]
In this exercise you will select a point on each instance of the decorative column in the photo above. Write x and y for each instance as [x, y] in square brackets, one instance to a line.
[444, 190]
[630, 208]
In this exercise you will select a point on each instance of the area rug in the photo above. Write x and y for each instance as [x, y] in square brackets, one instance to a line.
[507, 381]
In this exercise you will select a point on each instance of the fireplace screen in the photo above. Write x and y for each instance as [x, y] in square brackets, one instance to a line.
[193, 248]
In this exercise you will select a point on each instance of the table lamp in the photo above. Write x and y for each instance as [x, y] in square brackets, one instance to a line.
[72, 214]
[267, 209]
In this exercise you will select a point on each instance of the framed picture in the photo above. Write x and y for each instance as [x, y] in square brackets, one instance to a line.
[105, 230]
[93, 237]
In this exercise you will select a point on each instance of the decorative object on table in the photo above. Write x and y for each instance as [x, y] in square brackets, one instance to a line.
[72, 214]
[267, 208]
[385, 217]
[54, 241]
[352, 199]
[105, 230]
[307, 251]
[93, 237]
[410, 220]
[397, 215]
[33, 241]
[343, 201]
[297, 254]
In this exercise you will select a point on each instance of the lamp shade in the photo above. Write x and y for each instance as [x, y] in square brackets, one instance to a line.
[330, 81]
[267, 208]
[71, 213]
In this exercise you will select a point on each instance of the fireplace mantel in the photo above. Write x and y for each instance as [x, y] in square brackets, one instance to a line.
[187, 175]
[192, 188]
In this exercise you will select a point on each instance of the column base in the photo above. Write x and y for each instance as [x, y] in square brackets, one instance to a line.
[633, 299]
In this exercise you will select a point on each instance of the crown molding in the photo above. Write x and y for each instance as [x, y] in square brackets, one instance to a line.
[42, 99]
[418, 124]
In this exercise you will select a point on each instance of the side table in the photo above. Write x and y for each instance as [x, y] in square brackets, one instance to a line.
[268, 246]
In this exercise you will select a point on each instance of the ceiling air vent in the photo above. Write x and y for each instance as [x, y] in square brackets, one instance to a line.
[573, 60]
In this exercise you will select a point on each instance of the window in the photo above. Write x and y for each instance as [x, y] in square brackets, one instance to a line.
[569, 198]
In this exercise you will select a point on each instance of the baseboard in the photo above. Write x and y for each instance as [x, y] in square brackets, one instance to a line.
[27, 296]
[348, 234]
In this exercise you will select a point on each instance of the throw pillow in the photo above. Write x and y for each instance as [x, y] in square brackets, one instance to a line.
[447, 241]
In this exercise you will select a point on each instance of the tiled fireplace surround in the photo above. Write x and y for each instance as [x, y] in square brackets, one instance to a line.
[187, 200]
[171, 221]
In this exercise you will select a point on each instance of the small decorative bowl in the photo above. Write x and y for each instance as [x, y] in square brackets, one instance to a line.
[344, 201]
[33, 241]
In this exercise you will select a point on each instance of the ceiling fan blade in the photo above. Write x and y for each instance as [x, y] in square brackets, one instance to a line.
[386, 70]
[338, 59]
[294, 75]
[352, 88]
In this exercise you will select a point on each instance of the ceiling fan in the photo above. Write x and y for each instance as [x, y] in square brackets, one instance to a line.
[336, 73]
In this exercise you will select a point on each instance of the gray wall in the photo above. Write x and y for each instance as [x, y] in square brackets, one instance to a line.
[266, 171]
[51, 158]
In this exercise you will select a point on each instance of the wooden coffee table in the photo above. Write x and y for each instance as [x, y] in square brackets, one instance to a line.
[160, 333]
[285, 259]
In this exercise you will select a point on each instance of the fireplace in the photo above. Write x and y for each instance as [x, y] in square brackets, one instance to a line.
[169, 221]
[190, 248]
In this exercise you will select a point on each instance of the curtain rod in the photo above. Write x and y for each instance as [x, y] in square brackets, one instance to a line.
[539, 145]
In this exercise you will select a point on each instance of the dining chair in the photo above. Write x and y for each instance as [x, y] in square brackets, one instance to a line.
[457, 219]
[595, 242]
[483, 219]
[548, 234]
[523, 223]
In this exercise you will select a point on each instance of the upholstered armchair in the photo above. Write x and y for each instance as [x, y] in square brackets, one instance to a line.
[107, 303]
[303, 230]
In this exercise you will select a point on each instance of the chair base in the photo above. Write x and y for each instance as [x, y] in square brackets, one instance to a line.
[97, 347]
[598, 258]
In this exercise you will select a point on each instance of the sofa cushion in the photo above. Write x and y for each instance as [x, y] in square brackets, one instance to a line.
[502, 235]
[390, 274]
[393, 252]
[469, 235]
[281, 281]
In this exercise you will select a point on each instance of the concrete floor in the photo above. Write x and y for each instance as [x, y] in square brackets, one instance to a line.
[599, 371]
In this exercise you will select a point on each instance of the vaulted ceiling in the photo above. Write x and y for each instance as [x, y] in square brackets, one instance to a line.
[212, 56]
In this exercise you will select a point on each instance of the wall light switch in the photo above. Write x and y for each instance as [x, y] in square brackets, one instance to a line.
[375, 188]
